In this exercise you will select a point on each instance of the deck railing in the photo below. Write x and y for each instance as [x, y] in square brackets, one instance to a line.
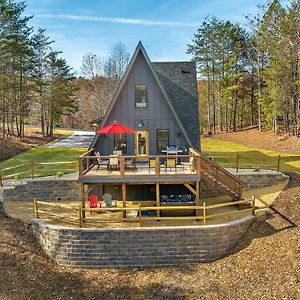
[238, 161]
[156, 165]
[75, 214]
[216, 174]
[34, 169]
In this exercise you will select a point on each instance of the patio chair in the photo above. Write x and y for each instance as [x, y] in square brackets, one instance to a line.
[152, 164]
[100, 161]
[171, 164]
[113, 163]
[94, 202]
[107, 199]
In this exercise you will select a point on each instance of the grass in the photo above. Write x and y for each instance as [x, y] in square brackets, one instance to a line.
[252, 158]
[57, 131]
[43, 154]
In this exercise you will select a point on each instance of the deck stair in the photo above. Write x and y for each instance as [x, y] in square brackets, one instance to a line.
[220, 177]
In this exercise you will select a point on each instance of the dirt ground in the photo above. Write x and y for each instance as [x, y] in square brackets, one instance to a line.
[264, 265]
[264, 140]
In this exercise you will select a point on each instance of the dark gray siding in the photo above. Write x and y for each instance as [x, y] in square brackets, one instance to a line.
[157, 116]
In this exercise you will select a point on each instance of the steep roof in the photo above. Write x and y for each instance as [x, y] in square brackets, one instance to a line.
[179, 81]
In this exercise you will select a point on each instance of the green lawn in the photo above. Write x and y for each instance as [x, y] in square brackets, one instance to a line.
[42, 154]
[249, 157]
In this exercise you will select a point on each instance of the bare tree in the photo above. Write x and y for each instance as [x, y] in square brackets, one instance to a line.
[116, 64]
[91, 66]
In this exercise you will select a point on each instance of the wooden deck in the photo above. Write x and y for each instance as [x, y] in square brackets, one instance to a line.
[141, 172]
[129, 169]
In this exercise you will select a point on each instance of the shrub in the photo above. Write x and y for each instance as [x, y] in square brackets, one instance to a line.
[17, 177]
[256, 169]
[59, 173]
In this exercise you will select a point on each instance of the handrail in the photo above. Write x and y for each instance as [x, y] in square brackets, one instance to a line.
[203, 158]
[85, 153]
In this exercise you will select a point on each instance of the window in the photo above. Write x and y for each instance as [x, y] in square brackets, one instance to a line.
[121, 142]
[141, 100]
[162, 139]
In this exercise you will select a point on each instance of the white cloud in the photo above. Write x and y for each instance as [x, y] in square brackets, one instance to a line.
[117, 20]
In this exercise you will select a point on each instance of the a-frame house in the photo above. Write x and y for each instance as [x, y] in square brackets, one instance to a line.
[157, 99]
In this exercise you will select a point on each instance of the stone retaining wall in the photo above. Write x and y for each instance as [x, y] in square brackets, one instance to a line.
[70, 189]
[260, 179]
[45, 189]
[138, 247]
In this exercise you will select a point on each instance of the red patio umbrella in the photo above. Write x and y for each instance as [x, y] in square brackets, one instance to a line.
[115, 127]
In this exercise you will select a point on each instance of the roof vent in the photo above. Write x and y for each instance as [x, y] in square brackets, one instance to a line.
[184, 71]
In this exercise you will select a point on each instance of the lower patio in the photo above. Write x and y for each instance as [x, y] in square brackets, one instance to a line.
[24, 210]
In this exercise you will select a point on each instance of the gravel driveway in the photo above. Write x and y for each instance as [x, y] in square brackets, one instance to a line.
[79, 139]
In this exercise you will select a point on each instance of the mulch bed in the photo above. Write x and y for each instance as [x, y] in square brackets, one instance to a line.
[264, 265]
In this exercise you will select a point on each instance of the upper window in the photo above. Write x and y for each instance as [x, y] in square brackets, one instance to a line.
[121, 142]
[141, 100]
[162, 139]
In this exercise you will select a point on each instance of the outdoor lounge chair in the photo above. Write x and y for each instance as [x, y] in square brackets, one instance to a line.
[94, 202]
[100, 161]
[107, 199]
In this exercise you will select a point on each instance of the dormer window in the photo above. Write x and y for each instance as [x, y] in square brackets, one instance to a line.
[141, 100]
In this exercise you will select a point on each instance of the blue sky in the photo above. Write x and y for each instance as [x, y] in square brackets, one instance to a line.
[164, 27]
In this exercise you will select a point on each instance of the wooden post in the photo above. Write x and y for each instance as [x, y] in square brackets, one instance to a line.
[278, 163]
[157, 198]
[240, 191]
[237, 163]
[253, 205]
[204, 214]
[36, 208]
[32, 169]
[197, 197]
[80, 166]
[124, 198]
[122, 166]
[80, 216]
[157, 166]
[198, 164]
[83, 201]
[140, 214]
[88, 163]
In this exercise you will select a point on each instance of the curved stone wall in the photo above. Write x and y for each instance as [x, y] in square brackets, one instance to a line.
[138, 247]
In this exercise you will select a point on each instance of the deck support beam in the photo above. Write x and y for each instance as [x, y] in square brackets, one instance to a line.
[124, 198]
[197, 202]
[157, 198]
[188, 186]
[83, 201]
